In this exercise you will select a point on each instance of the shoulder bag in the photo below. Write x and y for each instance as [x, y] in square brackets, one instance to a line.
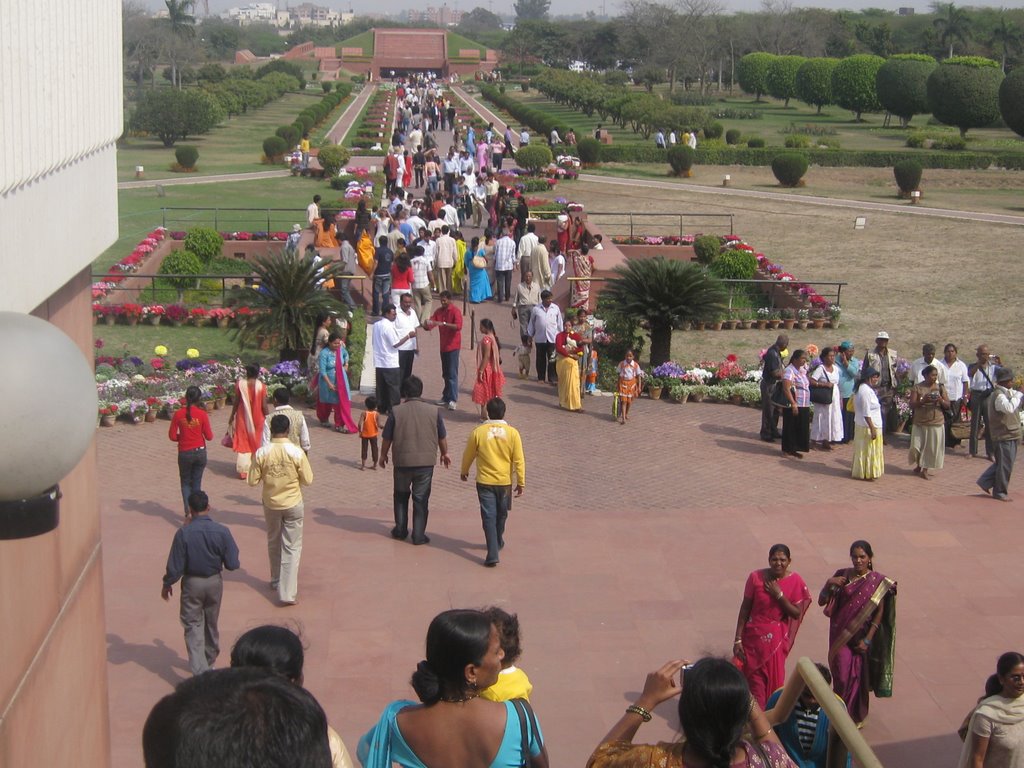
[823, 395]
[778, 396]
[525, 712]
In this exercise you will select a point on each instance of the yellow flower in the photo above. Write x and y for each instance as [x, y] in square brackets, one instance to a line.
[192, 352]
[784, 354]
[160, 350]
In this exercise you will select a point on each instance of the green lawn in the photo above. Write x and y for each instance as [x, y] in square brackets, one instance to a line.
[363, 40]
[140, 340]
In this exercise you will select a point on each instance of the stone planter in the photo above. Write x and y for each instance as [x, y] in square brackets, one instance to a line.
[223, 322]
[728, 325]
[220, 402]
[209, 405]
[714, 326]
[762, 325]
[697, 397]
[177, 323]
[820, 323]
[698, 326]
[802, 325]
[788, 324]
[736, 399]
[132, 320]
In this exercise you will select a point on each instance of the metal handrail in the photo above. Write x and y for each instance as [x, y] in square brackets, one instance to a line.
[838, 285]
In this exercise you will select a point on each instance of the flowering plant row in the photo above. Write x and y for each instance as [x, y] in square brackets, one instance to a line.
[130, 263]
[240, 236]
[175, 313]
[705, 372]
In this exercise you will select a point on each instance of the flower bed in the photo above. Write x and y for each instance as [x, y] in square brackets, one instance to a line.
[129, 264]
[176, 314]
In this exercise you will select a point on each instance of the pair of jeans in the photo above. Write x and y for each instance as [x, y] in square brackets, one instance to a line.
[381, 293]
[493, 514]
[345, 289]
[190, 470]
[979, 416]
[503, 280]
[450, 375]
[414, 482]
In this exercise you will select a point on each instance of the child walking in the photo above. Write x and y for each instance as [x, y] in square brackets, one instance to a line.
[629, 385]
[368, 432]
[512, 682]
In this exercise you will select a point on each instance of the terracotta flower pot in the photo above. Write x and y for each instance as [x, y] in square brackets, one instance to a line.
[107, 420]
[655, 392]
[151, 415]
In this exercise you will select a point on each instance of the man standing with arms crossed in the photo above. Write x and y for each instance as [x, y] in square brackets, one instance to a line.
[497, 449]
[284, 469]
[201, 548]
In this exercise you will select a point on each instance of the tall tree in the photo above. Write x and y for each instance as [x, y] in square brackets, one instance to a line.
[531, 10]
[180, 40]
[479, 20]
[953, 25]
[1005, 39]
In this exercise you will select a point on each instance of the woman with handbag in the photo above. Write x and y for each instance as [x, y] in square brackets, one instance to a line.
[827, 425]
[452, 724]
[796, 414]
[476, 268]
[929, 401]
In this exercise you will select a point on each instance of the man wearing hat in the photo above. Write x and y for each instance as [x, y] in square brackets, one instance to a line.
[849, 370]
[291, 245]
[1003, 417]
[883, 360]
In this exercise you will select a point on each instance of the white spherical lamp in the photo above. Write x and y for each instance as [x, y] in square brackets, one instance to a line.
[48, 421]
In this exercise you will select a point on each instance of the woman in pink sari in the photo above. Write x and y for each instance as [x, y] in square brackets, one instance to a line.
[774, 602]
[246, 420]
[861, 605]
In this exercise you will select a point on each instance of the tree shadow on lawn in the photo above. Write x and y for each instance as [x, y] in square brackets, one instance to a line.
[156, 657]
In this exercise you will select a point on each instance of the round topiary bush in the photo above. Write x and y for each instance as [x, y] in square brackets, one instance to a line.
[902, 84]
[908, 176]
[681, 158]
[1011, 100]
[533, 157]
[734, 264]
[713, 131]
[332, 158]
[327, 85]
[289, 134]
[755, 142]
[964, 91]
[789, 168]
[184, 263]
[853, 83]
[186, 157]
[274, 148]
[752, 72]
[205, 242]
[706, 248]
[525, 85]
[732, 136]
[589, 150]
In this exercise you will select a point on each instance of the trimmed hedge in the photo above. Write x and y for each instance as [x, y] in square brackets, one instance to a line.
[681, 158]
[589, 150]
[789, 168]
[1011, 100]
[274, 147]
[908, 175]
[186, 157]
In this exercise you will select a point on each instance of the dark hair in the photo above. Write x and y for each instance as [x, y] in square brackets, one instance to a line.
[282, 395]
[780, 548]
[825, 672]
[334, 336]
[488, 326]
[252, 370]
[474, 243]
[495, 408]
[388, 308]
[713, 709]
[192, 397]
[866, 373]
[1006, 662]
[507, 624]
[445, 294]
[797, 353]
[236, 718]
[279, 425]
[320, 318]
[316, 198]
[861, 544]
[545, 294]
[270, 647]
[454, 639]
[371, 403]
[929, 369]
[198, 501]
[926, 348]
[411, 387]
[531, 227]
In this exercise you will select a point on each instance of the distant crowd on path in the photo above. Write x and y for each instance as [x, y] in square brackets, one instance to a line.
[854, 401]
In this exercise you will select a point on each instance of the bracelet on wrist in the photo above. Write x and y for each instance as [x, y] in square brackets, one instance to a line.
[636, 709]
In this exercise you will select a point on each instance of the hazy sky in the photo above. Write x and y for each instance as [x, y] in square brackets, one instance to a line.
[568, 6]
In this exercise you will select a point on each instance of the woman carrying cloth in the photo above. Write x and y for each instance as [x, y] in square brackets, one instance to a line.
[861, 605]
[582, 267]
[333, 394]
[567, 347]
[774, 603]
[245, 423]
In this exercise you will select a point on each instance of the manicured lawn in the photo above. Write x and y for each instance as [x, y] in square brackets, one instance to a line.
[140, 340]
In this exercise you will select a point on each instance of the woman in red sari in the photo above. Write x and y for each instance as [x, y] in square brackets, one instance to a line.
[861, 605]
[577, 233]
[490, 379]
[246, 420]
[774, 602]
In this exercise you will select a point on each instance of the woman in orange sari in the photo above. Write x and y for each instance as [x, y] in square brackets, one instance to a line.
[774, 602]
[246, 420]
[324, 232]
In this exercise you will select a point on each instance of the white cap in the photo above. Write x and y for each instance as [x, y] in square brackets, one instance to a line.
[296, 228]
[882, 335]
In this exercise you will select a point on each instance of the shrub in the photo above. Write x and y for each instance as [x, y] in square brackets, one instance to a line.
[752, 73]
[327, 85]
[274, 147]
[916, 140]
[908, 175]
[589, 150]
[533, 157]
[734, 264]
[902, 84]
[713, 131]
[798, 141]
[205, 243]
[525, 85]
[306, 121]
[706, 247]
[964, 91]
[173, 114]
[732, 136]
[853, 83]
[181, 263]
[501, 88]
[681, 158]
[755, 142]
[781, 77]
[285, 66]
[616, 78]
[333, 158]
[789, 168]
[814, 82]
[952, 143]
[1011, 100]
[289, 134]
[186, 157]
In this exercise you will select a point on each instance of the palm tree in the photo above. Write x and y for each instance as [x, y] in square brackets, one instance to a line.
[286, 301]
[953, 24]
[664, 294]
[1006, 37]
[182, 27]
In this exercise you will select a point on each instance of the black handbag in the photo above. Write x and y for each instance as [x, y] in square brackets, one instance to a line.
[821, 395]
[778, 396]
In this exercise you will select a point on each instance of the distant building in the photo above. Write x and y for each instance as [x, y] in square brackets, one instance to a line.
[443, 16]
[905, 12]
[303, 15]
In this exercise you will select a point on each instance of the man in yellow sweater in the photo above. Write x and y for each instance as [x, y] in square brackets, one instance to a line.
[498, 451]
[283, 468]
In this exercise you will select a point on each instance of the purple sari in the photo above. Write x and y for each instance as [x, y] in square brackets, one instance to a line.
[851, 610]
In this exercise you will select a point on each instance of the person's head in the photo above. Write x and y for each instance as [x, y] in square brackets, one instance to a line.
[1009, 677]
[193, 395]
[828, 355]
[370, 403]
[382, 241]
[982, 354]
[405, 301]
[779, 559]
[528, 277]
[316, 199]
[279, 426]
[507, 626]
[861, 557]
[474, 244]
[599, 239]
[929, 374]
[445, 298]
[270, 647]
[198, 503]
[630, 355]
[486, 326]
[798, 358]
[1004, 377]
[531, 227]
[545, 298]
[584, 249]
[412, 387]
[389, 312]
[869, 376]
[282, 396]
[463, 656]
[808, 699]
[882, 340]
[782, 342]
[444, 229]
[928, 352]
[713, 708]
[335, 340]
[949, 353]
[846, 348]
[495, 409]
[568, 324]
[236, 718]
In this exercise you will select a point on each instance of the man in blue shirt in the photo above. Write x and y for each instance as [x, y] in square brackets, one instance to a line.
[200, 550]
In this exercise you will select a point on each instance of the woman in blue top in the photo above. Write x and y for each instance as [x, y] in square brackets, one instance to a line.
[453, 726]
[476, 268]
[849, 370]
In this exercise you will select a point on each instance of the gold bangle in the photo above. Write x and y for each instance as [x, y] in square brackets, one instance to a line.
[763, 735]
[636, 709]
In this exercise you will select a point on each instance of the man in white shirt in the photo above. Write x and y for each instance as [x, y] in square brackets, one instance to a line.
[406, 320]
[1003, 422]
[927, 358]
[386, 341]
[450, 214]
[958, 384]
[524, 257]
[692, 142]
[983, 377]
[415, 139]
[524, 137]
[422, 265]
[556, 263]
[313, 210]
[444, 260]
[555, 139]
[416, 222]
[545, 323]
[479, 195]
[504, 263]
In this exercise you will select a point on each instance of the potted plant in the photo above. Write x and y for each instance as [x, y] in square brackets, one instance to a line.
[199, 316]
[176, 315]
[802, 318]
[834, 312]
[153, 313]
[110, 313]
[714, 325]
[153, 405]
[108, 414]
[788, 318]
[138, 411]
[678, 391]
[221, 316]
[817, 318]
[655, 386]
[763, 314]
[131, 313]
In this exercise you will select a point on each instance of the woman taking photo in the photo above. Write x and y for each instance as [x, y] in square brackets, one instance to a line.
[774, 602]
[827, 425]
[715, 709]
[490, 379]
[796, 414]
[929, 402]
[568, 347]
[333, 393]
[190, 429]
[995, 734]
[453, 725]
[868, 457]
[861, 605]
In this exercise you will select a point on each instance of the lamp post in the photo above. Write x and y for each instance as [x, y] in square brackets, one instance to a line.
[48, 372]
